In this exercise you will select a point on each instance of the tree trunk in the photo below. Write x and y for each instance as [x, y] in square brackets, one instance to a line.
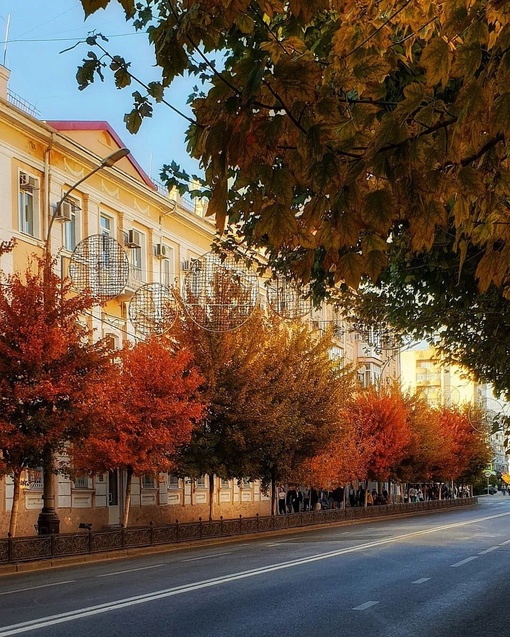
[127, 502]
[211, 496]
[273, 493]
[15, 504]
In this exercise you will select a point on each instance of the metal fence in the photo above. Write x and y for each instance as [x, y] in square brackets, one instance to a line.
[28, 549]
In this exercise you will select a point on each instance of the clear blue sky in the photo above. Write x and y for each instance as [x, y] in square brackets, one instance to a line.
[40, 29]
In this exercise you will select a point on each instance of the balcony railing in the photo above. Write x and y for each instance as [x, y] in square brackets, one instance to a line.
[22, 104]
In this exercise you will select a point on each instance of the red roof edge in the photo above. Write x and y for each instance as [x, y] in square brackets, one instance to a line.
[61, 125]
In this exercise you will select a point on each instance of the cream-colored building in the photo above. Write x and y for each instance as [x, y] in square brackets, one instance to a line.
[40, 163]
[423, 372]
[161, 234]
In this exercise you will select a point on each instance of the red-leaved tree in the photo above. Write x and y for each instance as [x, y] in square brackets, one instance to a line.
[151, 410]
[465, 443]
[50, 371]
[379, 418]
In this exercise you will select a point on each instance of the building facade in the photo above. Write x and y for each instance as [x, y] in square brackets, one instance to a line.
[441, 384]
[41, 163]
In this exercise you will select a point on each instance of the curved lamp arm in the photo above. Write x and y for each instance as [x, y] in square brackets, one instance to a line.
[107, 162]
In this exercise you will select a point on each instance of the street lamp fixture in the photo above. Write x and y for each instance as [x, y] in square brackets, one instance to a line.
[107, 162]
[48, 521]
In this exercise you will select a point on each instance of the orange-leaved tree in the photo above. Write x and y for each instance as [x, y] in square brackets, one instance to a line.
[379, 417]
[465, 443]
[426, 449]
[274, 395]
[50, 371]
[306, 390]
[150, 412]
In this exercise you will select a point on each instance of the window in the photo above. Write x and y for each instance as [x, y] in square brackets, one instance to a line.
[81, 483]
[224, 484]
[147, 482]
[173, 481]
[35, 479]
[28, 205]
[201, 482]
[336, 353]
[70, 211]
[112, 339]
[135, 242]
[106, 225]
[246, 484]
[166, 273]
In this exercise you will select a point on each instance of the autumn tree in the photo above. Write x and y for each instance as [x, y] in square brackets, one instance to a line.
[379, 416]
[466, 443]
[303, 410]
[150, 411]
[329, 125]
[425, 449]
[274, 394]
[344, 459]
[50, 372]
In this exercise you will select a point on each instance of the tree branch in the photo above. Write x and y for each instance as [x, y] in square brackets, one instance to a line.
[344, 57]
[133, 77]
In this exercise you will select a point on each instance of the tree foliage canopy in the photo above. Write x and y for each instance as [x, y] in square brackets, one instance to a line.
[149, 410]
[434, 296]
[385, 433]
[50, 371]
[274, 397]
[329, 124]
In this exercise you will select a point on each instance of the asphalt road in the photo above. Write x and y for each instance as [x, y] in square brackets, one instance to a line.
[440, 575]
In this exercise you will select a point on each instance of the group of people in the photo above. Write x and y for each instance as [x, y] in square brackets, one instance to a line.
[425, 492]
[297, 499]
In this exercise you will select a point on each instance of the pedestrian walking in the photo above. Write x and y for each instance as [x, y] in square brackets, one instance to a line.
[282, 501]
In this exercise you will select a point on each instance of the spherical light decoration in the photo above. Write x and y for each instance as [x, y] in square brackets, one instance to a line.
[219, 294]
[99, 266]
[153, 309]
[286, 300]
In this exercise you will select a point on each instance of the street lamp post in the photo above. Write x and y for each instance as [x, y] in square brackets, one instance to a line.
[48, 521]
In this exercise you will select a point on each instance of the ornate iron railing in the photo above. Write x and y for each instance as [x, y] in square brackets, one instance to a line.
[46, 547]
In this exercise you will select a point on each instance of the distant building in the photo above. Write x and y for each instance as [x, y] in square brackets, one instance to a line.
[441, 384]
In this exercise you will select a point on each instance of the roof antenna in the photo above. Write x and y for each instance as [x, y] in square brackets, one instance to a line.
[6, 38]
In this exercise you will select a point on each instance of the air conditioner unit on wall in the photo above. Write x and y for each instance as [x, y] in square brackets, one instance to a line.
[27, 183]
[134, 239]
[65, 212]
[160, 250]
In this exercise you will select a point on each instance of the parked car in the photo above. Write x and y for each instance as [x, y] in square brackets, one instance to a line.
[492, 490]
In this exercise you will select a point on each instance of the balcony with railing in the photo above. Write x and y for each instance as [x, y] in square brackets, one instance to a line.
[22, 104]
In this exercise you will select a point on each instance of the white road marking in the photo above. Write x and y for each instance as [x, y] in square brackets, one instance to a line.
[422, 580]
[492, 548]
[51, 620]
[503, 543]
[206, 557]
[130, 570]
[33, 588]
[468, 559]
[365, 606]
